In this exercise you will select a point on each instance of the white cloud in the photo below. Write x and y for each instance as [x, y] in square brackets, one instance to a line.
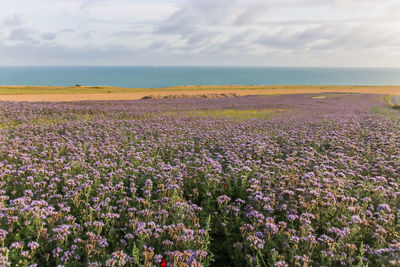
[208, 32]
[49, 36]
[19, 34]
[12, 21]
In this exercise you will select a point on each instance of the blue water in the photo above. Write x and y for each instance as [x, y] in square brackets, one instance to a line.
[152, 77]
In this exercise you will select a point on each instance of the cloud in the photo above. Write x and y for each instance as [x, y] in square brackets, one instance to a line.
[208, 24]
[196, 14]
[67, 30]
[199, 31]
[156, 46]
[20, 34]
[252, 14]
[55, 54]
[13, 21]
[362, 37]
[48, 36]
[332, 37]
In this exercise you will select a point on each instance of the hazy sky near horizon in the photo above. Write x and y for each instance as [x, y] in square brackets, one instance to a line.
[200, 32]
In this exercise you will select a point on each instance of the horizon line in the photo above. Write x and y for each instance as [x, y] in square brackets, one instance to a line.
[203, 66]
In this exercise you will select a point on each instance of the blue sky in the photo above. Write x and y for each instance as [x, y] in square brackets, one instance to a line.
[200, 32]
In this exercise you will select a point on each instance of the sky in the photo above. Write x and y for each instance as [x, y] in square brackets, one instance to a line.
[336, 33]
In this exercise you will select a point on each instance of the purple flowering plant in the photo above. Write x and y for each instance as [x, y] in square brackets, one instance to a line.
[127, 183]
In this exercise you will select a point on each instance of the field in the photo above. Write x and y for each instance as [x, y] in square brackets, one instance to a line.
[285, 180]
[86, 93]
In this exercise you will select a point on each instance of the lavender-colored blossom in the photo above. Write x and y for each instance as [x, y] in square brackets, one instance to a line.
[3, 234]
[33, 245]
[17, 245]
[223, 199]
[384, 207]
[155, 179]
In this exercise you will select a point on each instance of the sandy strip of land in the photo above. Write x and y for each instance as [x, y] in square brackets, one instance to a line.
[134, 94]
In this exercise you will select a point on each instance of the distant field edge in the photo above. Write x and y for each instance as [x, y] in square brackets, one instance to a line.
[87, 93]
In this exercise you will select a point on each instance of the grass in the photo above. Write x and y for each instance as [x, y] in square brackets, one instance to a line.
[268, 95]
[330, 95]
[388, 111]
[16, 90]
[8, 124]
[43, 120]
[82, 93]
[387, 99]
[239, 114]
[27, 90]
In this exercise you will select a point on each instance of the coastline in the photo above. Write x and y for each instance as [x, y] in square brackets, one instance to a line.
[101, 93]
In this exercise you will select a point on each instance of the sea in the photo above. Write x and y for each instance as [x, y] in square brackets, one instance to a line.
[165, 76]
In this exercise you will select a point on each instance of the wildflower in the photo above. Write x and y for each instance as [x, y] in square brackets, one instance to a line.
[158, 258]
[111, 262]
[120, 256]
[3, 234]
[33, 245]
[271, 228]
[384, 207]
[325, 238]
[355, 219]
[238, 245]
[128, 236]
[17, 245]
[338, 232]
[223, 199]
[281, 264]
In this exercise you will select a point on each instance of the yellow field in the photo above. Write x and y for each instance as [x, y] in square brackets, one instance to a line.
[58, 94]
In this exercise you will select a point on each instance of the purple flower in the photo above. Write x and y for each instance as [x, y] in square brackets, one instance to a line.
[338, 232]
[223, 199]
[33, 245]
[3, 234]
[281, 264]
[17, 245]
[384, 207]
[271, 228]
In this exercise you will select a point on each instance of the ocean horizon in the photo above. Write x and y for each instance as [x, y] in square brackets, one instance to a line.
[168, 76]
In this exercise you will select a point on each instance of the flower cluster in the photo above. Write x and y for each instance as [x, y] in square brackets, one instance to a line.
[131, 183]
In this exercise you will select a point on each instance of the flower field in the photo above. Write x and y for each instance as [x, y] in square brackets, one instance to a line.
[294, 180]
